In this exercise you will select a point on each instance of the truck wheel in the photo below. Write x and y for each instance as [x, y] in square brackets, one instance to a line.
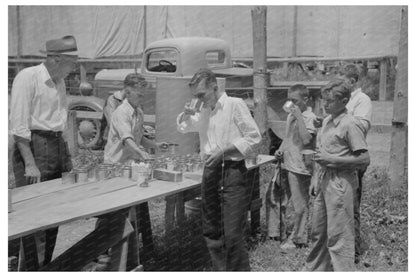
[89, 130]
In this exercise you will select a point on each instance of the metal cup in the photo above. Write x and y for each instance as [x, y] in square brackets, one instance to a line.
[68, 178]
[288, 106]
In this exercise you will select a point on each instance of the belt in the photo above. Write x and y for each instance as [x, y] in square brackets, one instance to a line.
[45, 133]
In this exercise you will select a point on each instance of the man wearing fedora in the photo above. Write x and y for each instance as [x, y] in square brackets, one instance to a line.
[38, 115]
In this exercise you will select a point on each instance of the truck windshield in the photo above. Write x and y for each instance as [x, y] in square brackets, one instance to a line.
[164, 60]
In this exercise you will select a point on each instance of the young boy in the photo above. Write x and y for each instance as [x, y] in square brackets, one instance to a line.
[300, 135]
[341, 149]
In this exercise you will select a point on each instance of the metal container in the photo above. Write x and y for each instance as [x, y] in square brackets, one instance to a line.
[288, 106]
[81, 175]
[126, 172]
[68, 178]
[101, 172]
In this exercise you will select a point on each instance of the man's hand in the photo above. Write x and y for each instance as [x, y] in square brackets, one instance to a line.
[188, 110]
[32, 174]
[144, 154]
[162, 146]
[317, 122]
[214, 159]
[324, 159]
[296, 112]
[313, 189]
[278, 155]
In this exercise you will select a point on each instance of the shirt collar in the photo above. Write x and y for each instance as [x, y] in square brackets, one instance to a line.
[117, 95]
[46, 77]
[355, 92]
[337, 119]
[129, 107]
[221, 101]
[307, 111]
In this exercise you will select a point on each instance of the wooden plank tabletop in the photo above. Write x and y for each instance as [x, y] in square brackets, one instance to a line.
[51, 203]
[91, 199]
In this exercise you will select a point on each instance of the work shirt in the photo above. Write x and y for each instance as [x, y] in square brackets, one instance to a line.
[37, 102]
[293, 144]
[113, 101]
[360, 106]
[230, 122]
[341, 136]
[126, 122]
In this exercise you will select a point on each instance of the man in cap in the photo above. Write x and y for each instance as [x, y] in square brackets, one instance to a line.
[38, 116]
[125, 138]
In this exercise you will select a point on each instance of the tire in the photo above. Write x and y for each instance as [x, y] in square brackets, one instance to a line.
[91, 104]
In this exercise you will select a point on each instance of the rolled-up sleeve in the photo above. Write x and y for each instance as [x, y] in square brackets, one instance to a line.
[190, 125]
[20, 106]
[122, 124]
[250, 134]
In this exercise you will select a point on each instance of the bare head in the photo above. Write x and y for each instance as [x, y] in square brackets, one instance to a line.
[204, 86]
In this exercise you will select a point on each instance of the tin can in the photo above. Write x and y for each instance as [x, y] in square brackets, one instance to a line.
[126, 172]
[68, 178]
[81, 175]
[287, 107]
[101, 172]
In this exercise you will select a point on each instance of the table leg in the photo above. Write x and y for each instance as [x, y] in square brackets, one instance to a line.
[133, 259]
[118, 261]
[180, 208]
[170, 212]
[144, 226]
[110, 231]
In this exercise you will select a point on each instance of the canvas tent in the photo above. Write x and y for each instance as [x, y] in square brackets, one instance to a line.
[104, 31]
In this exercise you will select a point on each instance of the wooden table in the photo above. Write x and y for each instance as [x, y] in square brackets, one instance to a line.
[50, 204]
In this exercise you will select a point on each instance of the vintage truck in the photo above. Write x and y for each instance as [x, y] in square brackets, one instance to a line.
[167, 65]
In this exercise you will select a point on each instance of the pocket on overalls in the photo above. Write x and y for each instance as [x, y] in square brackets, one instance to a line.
[339, 184]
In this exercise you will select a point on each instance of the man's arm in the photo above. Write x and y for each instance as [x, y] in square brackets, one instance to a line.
[20, 108]
[358, 159]
[305, 135]
[188, 121]
[32, 172]
[129, 142]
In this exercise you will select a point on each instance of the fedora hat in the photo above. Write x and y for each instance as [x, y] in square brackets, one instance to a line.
[65, 45]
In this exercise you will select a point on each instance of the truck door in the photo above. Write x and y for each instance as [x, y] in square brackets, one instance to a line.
[171, 95]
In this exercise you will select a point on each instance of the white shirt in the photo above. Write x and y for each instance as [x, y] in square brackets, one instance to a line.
[125, 123]
[37, 102]
[230, 122]
[360, 106]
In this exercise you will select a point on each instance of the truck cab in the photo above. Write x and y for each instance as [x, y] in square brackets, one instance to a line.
[173, 59]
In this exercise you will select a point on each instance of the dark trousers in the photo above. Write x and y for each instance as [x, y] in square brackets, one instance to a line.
[225, 202]
[357, 202]
[52, 158]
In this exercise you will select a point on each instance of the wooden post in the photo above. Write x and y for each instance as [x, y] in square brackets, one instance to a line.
[383, 80]
[398, 150]
[259, 15]
[295, 32]
[144, 29]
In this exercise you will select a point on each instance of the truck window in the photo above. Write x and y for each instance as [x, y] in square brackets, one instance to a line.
[162, 60]
[216, 57]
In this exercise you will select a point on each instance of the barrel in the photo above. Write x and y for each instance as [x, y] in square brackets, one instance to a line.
[193, 207]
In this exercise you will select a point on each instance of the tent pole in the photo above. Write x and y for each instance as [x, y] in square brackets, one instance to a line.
[144, 28]
[19, 38]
